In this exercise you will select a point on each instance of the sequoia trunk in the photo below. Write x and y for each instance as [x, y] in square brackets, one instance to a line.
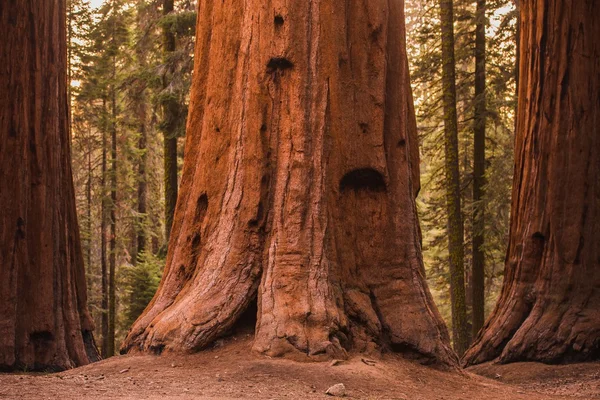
[298, 189]
[45, 322]
[549, 309]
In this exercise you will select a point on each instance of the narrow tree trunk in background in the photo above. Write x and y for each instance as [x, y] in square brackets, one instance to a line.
[170, 115]
[142, 190]
[298, 191]
[44, 323]
[455, 221]
[88, 192]
[110, 350]
[141, 106]
[171, 190]
[103, 235]
[549, 308]
[478, 270]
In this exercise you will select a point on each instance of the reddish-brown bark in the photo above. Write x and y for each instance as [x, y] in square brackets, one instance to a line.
[44, 321]
[549, 309]
[298, 190]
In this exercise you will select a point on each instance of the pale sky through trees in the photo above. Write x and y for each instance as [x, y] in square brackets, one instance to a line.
[96, 3]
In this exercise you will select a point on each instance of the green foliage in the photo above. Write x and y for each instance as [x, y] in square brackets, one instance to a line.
[181, 24]
[116, 57]
[138, 283]
[424, 45]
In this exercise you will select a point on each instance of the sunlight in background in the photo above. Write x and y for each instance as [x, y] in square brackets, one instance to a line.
[96, 3]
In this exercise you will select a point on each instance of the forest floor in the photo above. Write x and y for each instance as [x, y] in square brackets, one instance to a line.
[231, 371]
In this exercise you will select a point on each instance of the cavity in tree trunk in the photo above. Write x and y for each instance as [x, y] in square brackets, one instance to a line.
[45, 322]
[298, 190]
[478, 270]
[456, 252]
[549, 308]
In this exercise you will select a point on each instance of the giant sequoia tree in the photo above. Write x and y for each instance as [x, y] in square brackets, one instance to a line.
[549, 309]
[298, 190]
[44, 321]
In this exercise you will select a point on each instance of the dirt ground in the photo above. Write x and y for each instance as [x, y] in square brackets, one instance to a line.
[231, 371]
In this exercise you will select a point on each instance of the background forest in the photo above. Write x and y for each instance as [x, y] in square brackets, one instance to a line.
[130, 67]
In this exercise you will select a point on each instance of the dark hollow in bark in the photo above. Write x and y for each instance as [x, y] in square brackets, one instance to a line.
[44, 320]
[279, 63]
[364, 178]
[549, 308]
[278, 20]
[300, 211]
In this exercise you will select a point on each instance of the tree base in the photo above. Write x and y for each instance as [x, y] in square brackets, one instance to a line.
[562, 326]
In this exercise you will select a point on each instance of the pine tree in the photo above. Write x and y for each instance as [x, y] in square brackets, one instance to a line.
[479, 128]
[424, 45]
[126, 35]
[453, 192]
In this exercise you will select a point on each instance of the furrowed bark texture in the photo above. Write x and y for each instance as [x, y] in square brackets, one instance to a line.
[549, 309]
[44, 320]
[300, 174]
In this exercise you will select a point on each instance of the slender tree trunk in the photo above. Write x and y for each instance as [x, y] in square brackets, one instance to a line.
[549, 308]
[142, 115]
[171, 189]
[142, 189]
[298, 190]
[112, 255]
[170, 115]
[456, 250]
[478, 272]
[45, 323]
[88, 192]
[104, 235]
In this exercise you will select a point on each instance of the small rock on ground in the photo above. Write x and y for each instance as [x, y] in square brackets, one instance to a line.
[338, 390]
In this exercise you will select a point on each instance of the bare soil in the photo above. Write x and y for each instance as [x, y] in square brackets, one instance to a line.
[231, 371]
